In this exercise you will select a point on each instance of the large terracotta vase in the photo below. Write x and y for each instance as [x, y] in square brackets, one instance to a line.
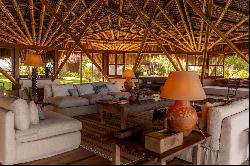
[181, 117]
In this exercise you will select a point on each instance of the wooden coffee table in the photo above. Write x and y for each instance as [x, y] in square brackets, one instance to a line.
[193, 140]
[124, 109]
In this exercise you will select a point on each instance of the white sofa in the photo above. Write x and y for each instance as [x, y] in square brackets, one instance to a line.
[54, 135]
[58, 99]
[229, 143]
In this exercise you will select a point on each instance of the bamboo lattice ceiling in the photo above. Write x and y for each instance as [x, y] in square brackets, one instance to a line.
[131, 25]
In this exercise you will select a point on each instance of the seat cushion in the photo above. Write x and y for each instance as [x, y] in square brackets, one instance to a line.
[120, 94]
[67, 101]
[54, 124]
[61, 90]
[93, 98]
[84, 89]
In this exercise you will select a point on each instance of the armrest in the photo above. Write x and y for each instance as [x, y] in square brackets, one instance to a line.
[7, 137]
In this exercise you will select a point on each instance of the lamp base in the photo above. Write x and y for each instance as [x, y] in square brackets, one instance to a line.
[182, 117]
[128, 84]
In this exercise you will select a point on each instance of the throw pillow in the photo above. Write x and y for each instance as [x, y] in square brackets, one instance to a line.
[101, 89]
[34, 117]
[20, 109]
[73, 92]
[61, 90]
[84, 89]
[112, 87]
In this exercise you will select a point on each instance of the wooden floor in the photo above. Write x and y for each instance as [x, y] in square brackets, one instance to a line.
[83, 157]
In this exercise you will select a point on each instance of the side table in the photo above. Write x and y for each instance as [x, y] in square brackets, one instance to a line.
[193, 140]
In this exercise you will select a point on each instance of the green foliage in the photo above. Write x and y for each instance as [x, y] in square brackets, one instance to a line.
[236, 67]
[28, 92]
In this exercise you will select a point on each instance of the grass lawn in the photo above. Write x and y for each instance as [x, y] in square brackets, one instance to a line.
[67, 80]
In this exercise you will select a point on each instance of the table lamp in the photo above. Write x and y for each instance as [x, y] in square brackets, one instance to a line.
[35, 61]
[128, 74]
[183, 87]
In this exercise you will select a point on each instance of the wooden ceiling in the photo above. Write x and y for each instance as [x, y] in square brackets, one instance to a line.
[128, 25]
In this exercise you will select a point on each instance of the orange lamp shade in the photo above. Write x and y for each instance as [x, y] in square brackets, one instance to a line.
[128, 73]
[33, 60]
[183, 85]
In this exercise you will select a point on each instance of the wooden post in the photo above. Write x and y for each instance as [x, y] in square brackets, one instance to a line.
[116, 158]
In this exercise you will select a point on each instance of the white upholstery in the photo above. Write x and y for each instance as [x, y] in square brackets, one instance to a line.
[112, 87]
[217, 114]
[84, 89]
[20, 109]
[45, 141]
[93, 98]
[233, 134]
[61, 90]
[67, 101]
[120, 94]
[34, 117]
[229, 143]
[218, 90]
[54, 124]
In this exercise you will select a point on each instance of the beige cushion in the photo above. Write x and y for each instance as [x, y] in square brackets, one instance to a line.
[93, 98]
[84, 89]
[54, 124]
[61, 90]
[120, 94]
[34, 117]
[20, 109]
[112, 87]
[48, 89]
[67, 101]
[217, 114]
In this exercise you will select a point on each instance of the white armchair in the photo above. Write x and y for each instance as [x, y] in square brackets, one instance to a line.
[229, 143]
[54, 135]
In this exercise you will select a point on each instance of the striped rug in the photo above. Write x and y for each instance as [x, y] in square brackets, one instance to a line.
[95, 135]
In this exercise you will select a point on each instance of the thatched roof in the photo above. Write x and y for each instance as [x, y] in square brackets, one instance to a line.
[124, 24]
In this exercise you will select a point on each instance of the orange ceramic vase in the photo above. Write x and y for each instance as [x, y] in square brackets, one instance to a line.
[181, 117]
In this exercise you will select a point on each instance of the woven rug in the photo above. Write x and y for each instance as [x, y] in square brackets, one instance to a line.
[95, 135]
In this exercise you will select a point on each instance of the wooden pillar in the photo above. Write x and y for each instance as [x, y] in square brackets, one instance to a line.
[105, 65]
[15, 64]
[81, 69]
[56, 60]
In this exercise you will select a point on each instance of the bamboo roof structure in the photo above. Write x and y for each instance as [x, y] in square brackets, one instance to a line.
[127, 25]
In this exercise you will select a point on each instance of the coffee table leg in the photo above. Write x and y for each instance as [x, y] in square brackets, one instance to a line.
[196, 156]
[102, 116]
[124, 117]
[116, 159]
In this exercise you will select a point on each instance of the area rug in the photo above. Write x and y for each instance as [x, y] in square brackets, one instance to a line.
[95, 136]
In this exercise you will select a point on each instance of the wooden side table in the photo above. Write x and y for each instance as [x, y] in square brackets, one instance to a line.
[193, 140]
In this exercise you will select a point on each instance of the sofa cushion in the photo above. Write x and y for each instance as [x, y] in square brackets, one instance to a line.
[112, 87]
[216, 116]
[120, 94]
[73, 92]
[54, 124]
[93, 98]
[61, 90]
[100, 88]
[34, 117]
[84, 89]
[20, 109]
[67, 101]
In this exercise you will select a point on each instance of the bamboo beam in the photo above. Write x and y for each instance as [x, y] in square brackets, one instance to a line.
[138, 11]
[229, 43]
[183, 21]
[51, 22]
[23, 22]
[41, 24]
[201, 27]
[177, 58]
[10, 36]
[15, 82]
[64, 61]
[83, 31]
[205, 54]
[171, 22]
[139, 55]
[229, 31]
[31, 8]
[12, 20]
[190, 24]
